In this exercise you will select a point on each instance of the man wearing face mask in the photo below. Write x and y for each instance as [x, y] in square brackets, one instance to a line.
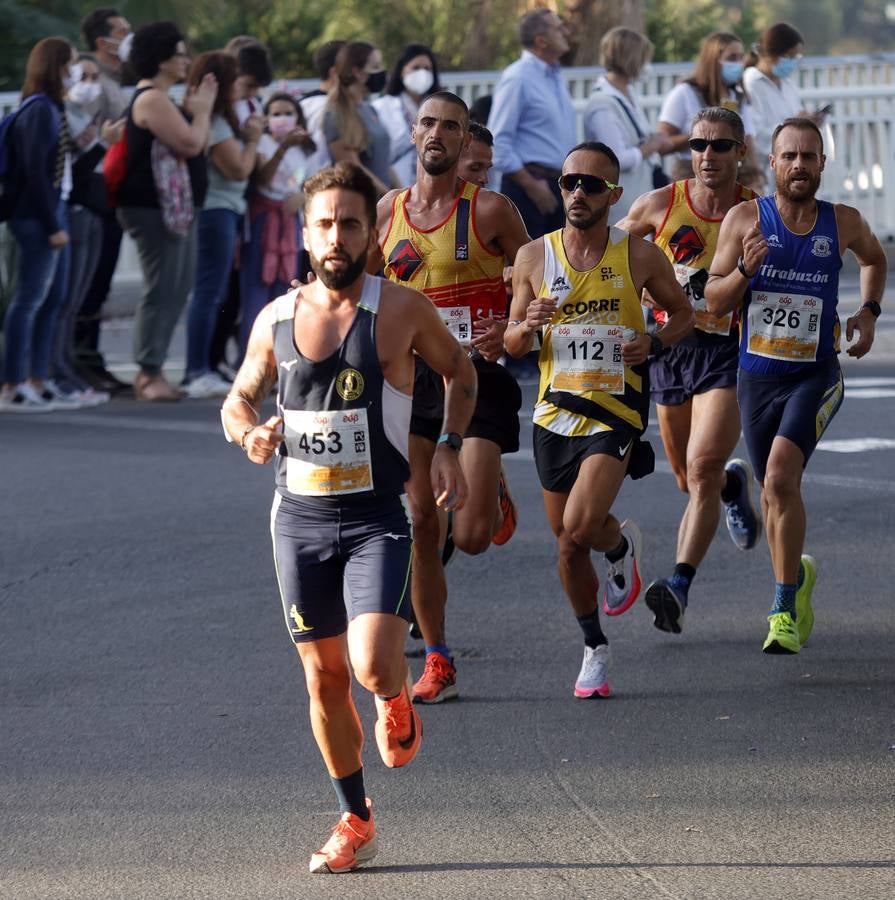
[108, 36]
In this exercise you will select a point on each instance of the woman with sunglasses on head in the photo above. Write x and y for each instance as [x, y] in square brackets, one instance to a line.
[715, 81]
[773, 91]
[614, 116]
[413, 77]
[352, 127]
[693, 384]
[159, 135]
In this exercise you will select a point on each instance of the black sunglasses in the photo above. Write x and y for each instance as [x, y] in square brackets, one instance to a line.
[590, 184]
[719, 145]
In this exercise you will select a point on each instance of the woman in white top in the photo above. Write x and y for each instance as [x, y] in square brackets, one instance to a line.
[614, 116]
[716, 81]
[773, 93]
[413, 77]
[287, 157]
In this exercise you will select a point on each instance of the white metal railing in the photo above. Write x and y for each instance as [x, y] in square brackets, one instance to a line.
[860, 131]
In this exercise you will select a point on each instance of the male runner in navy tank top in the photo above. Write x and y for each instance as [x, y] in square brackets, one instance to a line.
[343, 350]
[778, 261]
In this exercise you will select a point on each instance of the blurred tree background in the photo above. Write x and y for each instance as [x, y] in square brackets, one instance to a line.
[466, 34]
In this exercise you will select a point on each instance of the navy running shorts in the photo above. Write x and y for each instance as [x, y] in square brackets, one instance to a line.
[798, 407]
[338, 559]
[693, 366]
[496, 415]
[558, 458]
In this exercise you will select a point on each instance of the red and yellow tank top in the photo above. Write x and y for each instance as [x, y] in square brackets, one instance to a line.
[449, 263]
[689, 240]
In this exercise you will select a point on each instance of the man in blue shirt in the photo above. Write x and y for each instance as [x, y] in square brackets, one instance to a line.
[533, 122]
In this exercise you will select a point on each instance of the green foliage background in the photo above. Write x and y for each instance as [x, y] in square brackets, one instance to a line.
[467, 34]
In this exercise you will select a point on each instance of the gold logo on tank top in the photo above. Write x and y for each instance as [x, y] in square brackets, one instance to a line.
[350, 384]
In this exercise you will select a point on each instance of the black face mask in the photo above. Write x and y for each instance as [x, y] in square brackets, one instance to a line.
[376, 82]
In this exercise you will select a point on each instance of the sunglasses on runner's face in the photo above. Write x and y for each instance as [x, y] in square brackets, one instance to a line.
[590, 184]
[719, 145]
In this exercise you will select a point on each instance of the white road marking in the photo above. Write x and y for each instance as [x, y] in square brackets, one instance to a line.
[861, 382]
[856, 445]
[868, 393]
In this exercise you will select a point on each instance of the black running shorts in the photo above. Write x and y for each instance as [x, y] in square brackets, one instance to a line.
[798, 407]
[692, 367]
[337, 560]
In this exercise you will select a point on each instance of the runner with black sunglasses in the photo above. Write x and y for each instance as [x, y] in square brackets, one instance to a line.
[693, 384]
[580, 289]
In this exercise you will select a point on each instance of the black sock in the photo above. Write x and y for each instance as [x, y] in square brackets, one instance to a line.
[685, 570]
[731, 489]
[351, 794]
[593, 633]
[619, 552]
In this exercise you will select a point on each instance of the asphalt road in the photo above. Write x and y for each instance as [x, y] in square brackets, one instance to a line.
[153, 718]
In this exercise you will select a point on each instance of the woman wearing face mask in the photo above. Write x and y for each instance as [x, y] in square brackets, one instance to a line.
[351, 125]
[413, 77]
[614, 116]
[773, 92]
[716, 81]
[287, 157]
[87, 204]
[41, 148]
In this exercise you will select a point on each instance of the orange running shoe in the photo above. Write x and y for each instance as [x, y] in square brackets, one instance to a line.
[399, 729]
[438, 681]
[508, 508]
[352, 844]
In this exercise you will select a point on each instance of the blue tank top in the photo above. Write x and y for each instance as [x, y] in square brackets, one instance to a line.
[789, 321]
[347, 429]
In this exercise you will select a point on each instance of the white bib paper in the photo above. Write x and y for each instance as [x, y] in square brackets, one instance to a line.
[784, 326]
[589, 358]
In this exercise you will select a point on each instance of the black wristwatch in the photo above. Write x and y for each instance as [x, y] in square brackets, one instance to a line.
[452, 439]
[742, 267]
[655, 345]
[873, 306]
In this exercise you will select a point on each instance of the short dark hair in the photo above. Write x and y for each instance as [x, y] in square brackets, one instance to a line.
[448, 97]
[324, 58]
[348, 177]
[154, 43]
[479, 132]
[96, 25]
[533, 24]
[481, 109]
[254, 60]
[802, 124]
[779, 39]
[721, 116]
[395, 85]
[598, 147]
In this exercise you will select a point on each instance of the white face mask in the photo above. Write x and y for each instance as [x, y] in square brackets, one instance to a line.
[85, 93]
[75, 73]
[124, 48]
[419, 81]
[645, 73]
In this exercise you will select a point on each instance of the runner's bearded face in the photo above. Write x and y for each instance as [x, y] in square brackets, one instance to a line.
[797, 162]
[714, 166]
[585, 210]
[337, 235]
[440, 135]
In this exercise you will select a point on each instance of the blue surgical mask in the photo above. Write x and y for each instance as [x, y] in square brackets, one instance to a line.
[731, 72]
[785, 66]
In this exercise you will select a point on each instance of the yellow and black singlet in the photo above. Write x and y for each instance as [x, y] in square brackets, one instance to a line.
[585, 388]
[689, 240]
[449, 263]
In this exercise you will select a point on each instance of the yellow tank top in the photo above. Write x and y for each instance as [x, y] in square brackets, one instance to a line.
[585, 388]
[448, 263]
[689, 240]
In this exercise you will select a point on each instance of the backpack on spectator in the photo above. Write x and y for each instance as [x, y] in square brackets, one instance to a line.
[8, 162]
[115, 169]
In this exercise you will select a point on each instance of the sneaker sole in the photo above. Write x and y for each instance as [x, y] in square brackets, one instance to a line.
[665, 607]
[448, 693]
[805, 615]
[775, 648]
[755, 507]
[364, 855]
[601, 692]
[634, 595]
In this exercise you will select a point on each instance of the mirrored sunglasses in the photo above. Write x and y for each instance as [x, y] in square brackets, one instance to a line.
[590, 184]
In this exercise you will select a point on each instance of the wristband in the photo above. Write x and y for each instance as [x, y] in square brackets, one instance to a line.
[873, 306]
[452, 439]
[248, 430]
[742, 267]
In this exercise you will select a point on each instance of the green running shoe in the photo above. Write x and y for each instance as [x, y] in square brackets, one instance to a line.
[783, 636]
[804, 612]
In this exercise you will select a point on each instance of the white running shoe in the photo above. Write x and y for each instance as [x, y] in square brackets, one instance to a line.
[623, 584]
[23, 399]
[59, 398]
[593, 679]
[208, 385]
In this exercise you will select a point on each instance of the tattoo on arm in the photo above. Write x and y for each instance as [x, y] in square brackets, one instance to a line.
[254, 383]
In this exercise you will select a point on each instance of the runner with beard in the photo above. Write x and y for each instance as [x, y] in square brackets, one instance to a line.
[581, 287]
[342, 349]
[450, 239]
[693, 384]
[778, 262]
